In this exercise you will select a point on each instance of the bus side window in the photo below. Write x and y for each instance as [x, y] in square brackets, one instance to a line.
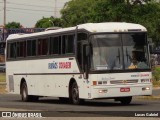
[55, 45]
[12, 50]
[31, 48]
[64, 38]
[21, 49]
[68, 44]
[43, 46]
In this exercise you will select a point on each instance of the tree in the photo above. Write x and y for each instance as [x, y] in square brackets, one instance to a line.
[140, 1]
[78, 11]
[13, 25]
[83, 11]
[49, 22]
[145, 12]
[149, 16]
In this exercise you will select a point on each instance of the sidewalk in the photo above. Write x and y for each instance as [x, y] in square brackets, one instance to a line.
[155, 88]
[3, 83]
[12, 109]
[3, 88]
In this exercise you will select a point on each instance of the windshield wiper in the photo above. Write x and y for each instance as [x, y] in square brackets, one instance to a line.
[128, 56]
[114, 62]
[118, 55]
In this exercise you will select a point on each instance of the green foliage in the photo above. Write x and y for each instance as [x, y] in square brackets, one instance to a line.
[156, 83]
[156, 74]
[49, 22]
[84, 11]
[78, 11]
[13, 25]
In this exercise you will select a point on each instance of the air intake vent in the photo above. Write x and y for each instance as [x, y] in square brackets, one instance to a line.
[123, 81]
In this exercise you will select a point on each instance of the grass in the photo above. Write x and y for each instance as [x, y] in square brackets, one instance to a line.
[156, 83]
[149, 97]
[156, 76]
[2, 77]
[2, 89]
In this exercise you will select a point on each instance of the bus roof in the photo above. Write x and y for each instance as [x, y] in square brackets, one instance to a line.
[91, 27]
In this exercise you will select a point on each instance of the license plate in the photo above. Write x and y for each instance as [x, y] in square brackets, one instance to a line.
[124, 89]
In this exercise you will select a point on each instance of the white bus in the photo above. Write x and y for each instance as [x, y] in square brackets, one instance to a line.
[89, 61]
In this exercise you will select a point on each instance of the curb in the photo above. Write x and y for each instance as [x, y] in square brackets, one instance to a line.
[3, 83]
[149, 97]
[156, 88]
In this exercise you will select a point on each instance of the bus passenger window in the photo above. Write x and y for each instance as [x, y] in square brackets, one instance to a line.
[12, 50]
[68, 44]
[43, 46]
[31, 48]
[55, 45]
[64, 38]
[21, 49]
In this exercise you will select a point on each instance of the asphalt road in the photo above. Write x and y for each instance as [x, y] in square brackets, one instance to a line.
[156, 91]
[54, 107]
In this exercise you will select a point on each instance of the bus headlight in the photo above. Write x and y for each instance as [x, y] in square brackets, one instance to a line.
[145, 88]
[103, 91]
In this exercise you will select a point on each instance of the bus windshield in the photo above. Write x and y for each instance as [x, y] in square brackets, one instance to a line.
[119, 51]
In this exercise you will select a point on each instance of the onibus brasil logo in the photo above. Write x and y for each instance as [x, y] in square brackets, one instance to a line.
[21, 115]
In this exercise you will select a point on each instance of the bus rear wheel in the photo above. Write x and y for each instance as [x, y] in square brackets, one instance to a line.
[24, 94]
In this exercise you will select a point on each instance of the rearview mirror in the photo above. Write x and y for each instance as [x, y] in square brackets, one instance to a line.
[87, 50]
[151, 44]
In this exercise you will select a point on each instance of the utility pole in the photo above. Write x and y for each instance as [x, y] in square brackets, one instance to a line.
[4, 19]
[55, 9]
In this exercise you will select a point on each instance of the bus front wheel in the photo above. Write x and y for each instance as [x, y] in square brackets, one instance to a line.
[75, 94]
[124, 100]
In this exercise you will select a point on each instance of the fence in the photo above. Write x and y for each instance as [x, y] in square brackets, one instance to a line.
[4, 33]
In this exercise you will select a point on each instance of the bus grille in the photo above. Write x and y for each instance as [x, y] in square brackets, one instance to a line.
[123, 81]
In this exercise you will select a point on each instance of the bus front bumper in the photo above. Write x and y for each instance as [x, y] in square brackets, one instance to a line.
[117, 91]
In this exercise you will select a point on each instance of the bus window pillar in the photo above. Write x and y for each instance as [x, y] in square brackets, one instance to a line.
[86, 52]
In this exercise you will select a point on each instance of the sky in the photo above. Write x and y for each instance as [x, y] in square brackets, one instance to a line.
[28, 12]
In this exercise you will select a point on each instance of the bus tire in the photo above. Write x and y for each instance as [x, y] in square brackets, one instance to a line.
[125, 100]
[63, 99]
[34, 98]
[24, 93]
[75, 94]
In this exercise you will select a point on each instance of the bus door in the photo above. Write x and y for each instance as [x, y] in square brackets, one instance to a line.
[86, 66]
[82, 58]
[85, 60]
